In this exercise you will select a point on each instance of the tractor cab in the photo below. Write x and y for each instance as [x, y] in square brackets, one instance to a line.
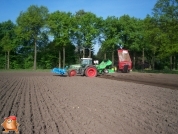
[86, 61]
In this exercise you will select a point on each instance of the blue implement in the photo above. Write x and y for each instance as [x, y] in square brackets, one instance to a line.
[59, 71]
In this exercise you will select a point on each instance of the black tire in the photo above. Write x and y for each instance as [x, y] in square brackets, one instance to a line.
[125, 69]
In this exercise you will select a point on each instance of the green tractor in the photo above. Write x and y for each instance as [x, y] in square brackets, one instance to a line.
[87, 68]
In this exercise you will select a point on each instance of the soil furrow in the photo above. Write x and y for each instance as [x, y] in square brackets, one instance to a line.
[83, 109]
[47, 116]
[21, 107]
[7, 93]
[67, 108]
[45, 104]
[28, 124]
[10, 99]
[57, 111]
[18, 96]
[36, 119]
[70, 107]
[158, 83]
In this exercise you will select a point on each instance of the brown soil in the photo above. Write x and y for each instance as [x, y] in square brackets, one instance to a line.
[161, 80]
[48, 104]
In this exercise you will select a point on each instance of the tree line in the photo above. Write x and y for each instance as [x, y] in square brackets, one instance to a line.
[44, 40]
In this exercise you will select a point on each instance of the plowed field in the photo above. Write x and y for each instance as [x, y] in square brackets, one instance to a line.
[48, 104]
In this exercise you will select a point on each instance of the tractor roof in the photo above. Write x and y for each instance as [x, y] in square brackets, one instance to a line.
[86, 58]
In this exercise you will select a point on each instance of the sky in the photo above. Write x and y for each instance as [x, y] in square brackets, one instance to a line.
[10, 9]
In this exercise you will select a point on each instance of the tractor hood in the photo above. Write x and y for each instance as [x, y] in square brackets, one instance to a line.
[75, 66]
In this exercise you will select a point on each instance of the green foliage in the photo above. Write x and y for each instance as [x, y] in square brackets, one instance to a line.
[86, 31]
[131, 33]
[8, 39]
[2, 61]
[166, 13]
[60, 27]
[67, 34]
[111, 33]
[31, 26]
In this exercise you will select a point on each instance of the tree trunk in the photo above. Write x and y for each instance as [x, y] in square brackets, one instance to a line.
[174, 65]
[153, 61]
[112, 58]
[79, 56]
[35, 55]
[170, 62]
[8, 59]
[105, 55]
[83, 52]
[59, 59]
[5, 61]
[153, 64]
[63, 57]
[134, 61]
[89, 53]
[143, 58]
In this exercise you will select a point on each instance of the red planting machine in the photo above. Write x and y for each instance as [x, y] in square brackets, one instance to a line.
[124, 61]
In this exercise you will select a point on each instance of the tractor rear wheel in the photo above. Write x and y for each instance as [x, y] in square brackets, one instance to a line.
[72, 73]
[91, 72]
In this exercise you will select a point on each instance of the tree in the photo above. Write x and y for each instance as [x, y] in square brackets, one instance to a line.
[166, 13]
[86, 30]
[60, 25]
[152, 37]
[111, 35]
[131, 35]
[31, 24]
[8, 39]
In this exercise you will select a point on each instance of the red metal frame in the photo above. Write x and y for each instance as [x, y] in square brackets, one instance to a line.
[124, 59]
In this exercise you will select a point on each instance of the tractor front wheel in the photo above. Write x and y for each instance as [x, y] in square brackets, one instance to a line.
[91, 72]
[72, 73]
